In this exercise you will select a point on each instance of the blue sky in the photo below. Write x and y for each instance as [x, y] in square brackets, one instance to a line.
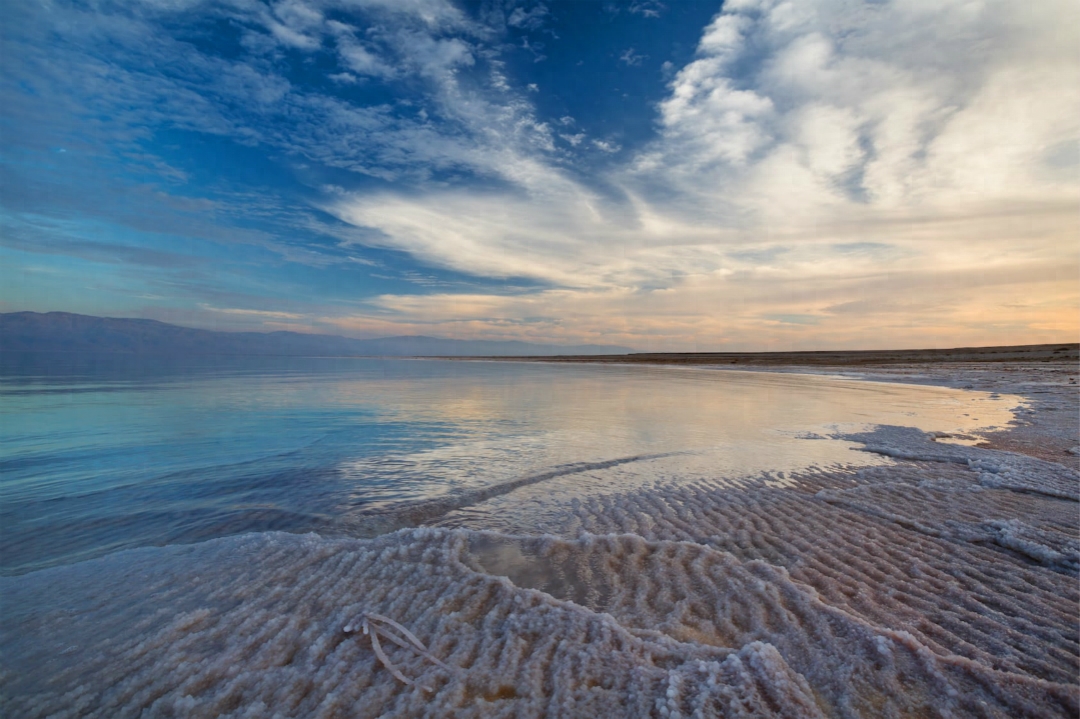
[681, 176]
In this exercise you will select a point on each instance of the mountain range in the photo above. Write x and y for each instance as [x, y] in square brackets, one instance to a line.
[67, 332]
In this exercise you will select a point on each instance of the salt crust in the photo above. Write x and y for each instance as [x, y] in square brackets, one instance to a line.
[942, 586]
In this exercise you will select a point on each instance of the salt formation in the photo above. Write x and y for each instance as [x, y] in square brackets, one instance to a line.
[944, 584]
[255, 626]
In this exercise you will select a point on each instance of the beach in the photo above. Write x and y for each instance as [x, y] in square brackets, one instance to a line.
[939, 582]
[540, 359]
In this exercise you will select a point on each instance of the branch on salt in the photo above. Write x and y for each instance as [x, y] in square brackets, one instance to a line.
[414, 644]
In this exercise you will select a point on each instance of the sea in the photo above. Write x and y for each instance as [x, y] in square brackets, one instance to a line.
[112, 452]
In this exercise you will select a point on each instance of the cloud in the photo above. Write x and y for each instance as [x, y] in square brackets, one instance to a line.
[356, 57]
[535, 48]
[260, 314]
[489, 235]
[647, 8]
[533, 19]
[947, 308]
[345, 78]
[794, 111]
[250, 100]
[631, 58]
[819, 168]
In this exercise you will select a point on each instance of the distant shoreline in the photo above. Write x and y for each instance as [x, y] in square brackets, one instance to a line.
[1054, 352]
[1017, 353]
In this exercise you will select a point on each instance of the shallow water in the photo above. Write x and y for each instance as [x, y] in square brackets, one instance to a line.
[102, 454]
[666, 542]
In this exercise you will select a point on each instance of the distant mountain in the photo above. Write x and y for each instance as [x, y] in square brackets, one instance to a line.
[67, 332]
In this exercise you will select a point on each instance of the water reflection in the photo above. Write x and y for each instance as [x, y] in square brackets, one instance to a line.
[102, 454]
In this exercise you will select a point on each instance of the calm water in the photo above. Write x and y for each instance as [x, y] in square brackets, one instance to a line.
[99, 455]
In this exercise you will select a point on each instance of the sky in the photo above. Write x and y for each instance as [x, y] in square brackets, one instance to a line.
[668, 176]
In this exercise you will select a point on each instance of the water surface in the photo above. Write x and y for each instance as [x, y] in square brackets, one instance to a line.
[99, 454]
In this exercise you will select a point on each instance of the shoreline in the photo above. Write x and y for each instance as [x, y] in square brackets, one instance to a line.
[1053, 352]
[940, 584]
[1047, 376]
[1048, 429]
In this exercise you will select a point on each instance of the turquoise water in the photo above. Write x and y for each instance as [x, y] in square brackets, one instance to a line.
[109, 453]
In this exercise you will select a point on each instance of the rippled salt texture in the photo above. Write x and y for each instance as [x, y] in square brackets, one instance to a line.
[915, 579]
[96, 457]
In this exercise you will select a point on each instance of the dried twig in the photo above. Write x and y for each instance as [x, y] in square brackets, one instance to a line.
[373, 629]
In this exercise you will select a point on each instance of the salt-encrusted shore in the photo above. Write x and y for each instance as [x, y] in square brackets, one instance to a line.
[943, 584]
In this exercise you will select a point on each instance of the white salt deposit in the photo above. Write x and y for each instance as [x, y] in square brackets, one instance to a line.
[941, 583]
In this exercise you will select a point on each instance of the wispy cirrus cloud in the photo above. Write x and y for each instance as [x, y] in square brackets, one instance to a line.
[821, 161]
[260, 314]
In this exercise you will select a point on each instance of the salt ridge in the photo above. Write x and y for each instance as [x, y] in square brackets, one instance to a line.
[944, 584]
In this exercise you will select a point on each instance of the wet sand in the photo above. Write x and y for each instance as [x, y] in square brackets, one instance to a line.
[941, 584]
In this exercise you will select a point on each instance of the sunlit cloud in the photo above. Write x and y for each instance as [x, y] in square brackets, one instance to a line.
[943, 154]
[261, 314]
[818, 174]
